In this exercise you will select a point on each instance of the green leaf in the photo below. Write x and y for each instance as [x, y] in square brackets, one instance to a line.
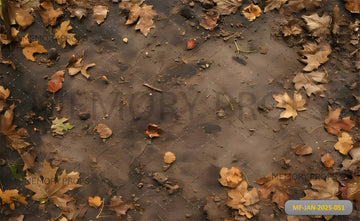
[14, 172]
[59, 126]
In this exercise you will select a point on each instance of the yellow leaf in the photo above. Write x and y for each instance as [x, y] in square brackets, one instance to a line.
[29, 49]
[291, 106]
[62, 35]
[230, 178]
[95, 202]
[344, 144]
[251, 12]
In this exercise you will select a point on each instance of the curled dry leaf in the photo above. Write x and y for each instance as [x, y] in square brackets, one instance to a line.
[48, 14]
[291, 106]
[209, 20]
[318, 25]
[251, 12]
[76, 65]
[230, 178]
[100, 13]
[356, 107]
[56, 81]
[338, 20]
[327, 160]
[353, 164]
[312, 82]
[344, 144]
[60, 125]
[293, 27]
[62, 35]
[10, 197]
[127, 4]
[20, 15]
[303, 150]
[119, 206]
[95, 201]
[333, 124]
[315, 55]
[103, 130]
[226, 7]
[4, 94]
[294, 6]
[191, 44]
[273, 4]
[322, 190]
[29, 49]
[351, 190]
[78, 8]
[353, 6]
[153, 130]
[143, 16]
[169, 157]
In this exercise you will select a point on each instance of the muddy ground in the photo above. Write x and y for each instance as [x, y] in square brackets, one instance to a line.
[249, 138]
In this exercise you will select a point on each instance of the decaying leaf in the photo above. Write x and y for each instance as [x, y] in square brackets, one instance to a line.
[356, 107]
[4, 94]
[353, 6]
[76, 65]
[78, 8]
[344, 144]
[209, 20]
[20, 15]
[103, 130]
[327, 160]
[315, 55]
[333, 124]
[278, 185]
[338, 20]
[353, 164]
[95, 201]
[318, 25]
[143, 16]
[351, 190]
[169, 157]
[251, 12]
[59, 126]
[191, 44]
[312, 82]
[6, 61]
[303, 150]
[49, 187]
[272, 4]
[322, 190]
[127, 4]
[48, 14]
[291, 106]
[230, 178]
[10, 197]
[62, 35]
[56, 81]
[293, 27]
[119, 206]
[244, 200]
[153, 130]
[4, 38]
[294, 6]
[29, 49]
[100, 13]
[226, 7]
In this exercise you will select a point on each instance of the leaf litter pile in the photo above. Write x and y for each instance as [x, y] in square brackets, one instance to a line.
[317, 33]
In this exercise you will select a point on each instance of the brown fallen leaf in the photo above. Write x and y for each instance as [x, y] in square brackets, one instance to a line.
[119, 206]
[294, 6]
[291, 106]
[4, 94]
[56, 81]
[303, 150]
[338, 20]
[169, 157]
[4, 39]
[312, 82]
[273, 4]
[95, 201]
[10, 197]
[351, 190]
[76, 65]
[353, 6]
[333, 124]
[278, 185]
[62, 35]
[78, 8]
[344, 144]
[191, 44]
[322, 190]
[318, 25]
[356, 107]
[127, 4]
[293, 27]
[29, 49]
[20, 15]
[244, 200]
[48, 14]
[230, 178]
[226, 7]
[251, 12]
[143, 16]
[100, 13]
[153, 130]
[103, 130]
[316, 54]
[354, 164]
[327, 160]
[209, 20]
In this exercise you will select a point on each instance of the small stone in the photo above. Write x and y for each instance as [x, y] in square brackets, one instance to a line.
[53, 54]
[84, 115]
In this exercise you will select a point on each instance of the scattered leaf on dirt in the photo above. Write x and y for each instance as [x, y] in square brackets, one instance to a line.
[291, 106]
[29, 49]
[4, 94]
[251, 12]
[78, 8]
[144, 16]
[344, 144]
[127, 4]
[226, 7]
[230, 178]
[103, 130]
[327, 160]
[272, 4]
[95, 201]
[356, 107]
[8, 62]
[315, 55]
[4, 39]
[119, 206]
[56, 81]
[278, 185]
[153, 130]
[62, 35]
[318, 25]
[59, 126]
[353, 164]
[293, 27]
[169, 157]
[209, 20]
[353, 6]
[303, 150]
[76, 65]
[322, 190]
[100, 13]
[333, 124]
[10, 197]
[294, 6]
[191, 44]
[48, 14]
[311, 82]
[244, 200]
[338, 20]
[20, 15]
[351, 190]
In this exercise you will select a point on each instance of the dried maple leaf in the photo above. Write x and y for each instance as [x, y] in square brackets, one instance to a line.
[62, 35]
[4, 94]
[10, 197]
[153, 130]
[103, 130]
[353, 164]
[119, 206]
[226, 7]
[333, 124]
[338, 20]
[244, 200]
[353, 6]
[100, 13]
[230, 178]
[76, 65]
[322, 190]
[20, 15]
[169, 157]
[56, 81]
[48, 14]
[303, 150]
[293, 27]
[311, 82]
[291, 106]
[95, 201]
[278, 185]
[49, 187]
[144, 16]
[59, 126]
[29, 49]
[344, 144]
[78, 8]
[251, 12]
[272, 4]
[327, 160]
[315, 55]
[356, 107]
[209, 20]
[294, 6]
[318, 25]
[351, 190]
[127, 4]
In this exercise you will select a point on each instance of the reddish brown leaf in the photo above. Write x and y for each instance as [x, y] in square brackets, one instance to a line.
[333, 124]
[56, 81]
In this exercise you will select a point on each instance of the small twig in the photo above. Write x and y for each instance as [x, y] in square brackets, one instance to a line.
[325, 141]
[101, 209]
[153, 88]
[242, 51]
[228, 100]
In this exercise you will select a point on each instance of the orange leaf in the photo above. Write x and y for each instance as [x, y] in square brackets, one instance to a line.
[327, 160]
[333, 124]
[153, 130]
[56, 81]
